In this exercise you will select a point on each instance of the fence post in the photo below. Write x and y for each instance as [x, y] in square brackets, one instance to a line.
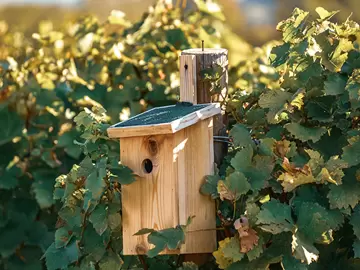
[194, 89]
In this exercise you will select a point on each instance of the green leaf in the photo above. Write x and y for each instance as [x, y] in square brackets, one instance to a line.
[352, 88]
[259, 172]
[38, 234]
[123, 175]
[94, 244]
[240, 135]
[355, 221]
[99, 218]
[305, 133]
[303, 249]
[274, 99]
[111, 261]
[335, 84]
[72, 216]
[351, 153]
[356, 248]
[95, 184]
[233, 187]
[11, 126]
[290, 263]
[9, 178]
[62, 237]
[243, 158]
[144, 231]
[314, 221]
[171, 238]
[210, 186]
[11, 236]
[66, 140]
[231, 250]
[324, 14]
[62, 257]
[256, 251]
[275, 217]
[347, 194]
[114, 221]
[44, 187]
[320, 108]
[279, 54]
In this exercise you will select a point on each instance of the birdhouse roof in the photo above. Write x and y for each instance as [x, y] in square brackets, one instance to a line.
[164, 120]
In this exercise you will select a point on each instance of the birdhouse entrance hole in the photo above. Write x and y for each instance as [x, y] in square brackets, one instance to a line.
[147, 165]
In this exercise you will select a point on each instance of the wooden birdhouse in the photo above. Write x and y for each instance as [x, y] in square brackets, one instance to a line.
[170, 150]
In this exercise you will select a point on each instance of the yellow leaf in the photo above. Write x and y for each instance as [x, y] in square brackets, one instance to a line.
[221, 260]
[290, 182]
[224, 192]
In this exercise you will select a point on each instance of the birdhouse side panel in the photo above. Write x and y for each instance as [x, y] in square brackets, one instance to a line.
[152, 200]
[194, 151]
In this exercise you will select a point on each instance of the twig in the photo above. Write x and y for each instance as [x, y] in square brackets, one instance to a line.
[142, 260]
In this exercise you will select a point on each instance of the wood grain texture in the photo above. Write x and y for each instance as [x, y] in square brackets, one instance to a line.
[167, 128]
[188, 79]
[152, 200]
[170, 193]
[196, 160]
[207, 59]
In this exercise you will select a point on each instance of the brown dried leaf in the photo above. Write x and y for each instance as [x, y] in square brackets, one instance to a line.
[291, 169]
[281, 148]
[248, 236]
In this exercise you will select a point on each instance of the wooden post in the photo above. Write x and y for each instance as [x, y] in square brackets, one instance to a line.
[194, 89]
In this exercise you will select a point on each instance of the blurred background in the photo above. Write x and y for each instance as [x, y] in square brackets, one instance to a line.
[253, 20]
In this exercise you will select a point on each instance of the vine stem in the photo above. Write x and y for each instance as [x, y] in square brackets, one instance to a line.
[234, 214]
[142, 260]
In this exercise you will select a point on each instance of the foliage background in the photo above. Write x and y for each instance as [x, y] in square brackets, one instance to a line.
[287, 193]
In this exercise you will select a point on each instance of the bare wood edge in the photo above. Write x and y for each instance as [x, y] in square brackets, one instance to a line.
[188, 78]
[167, 128]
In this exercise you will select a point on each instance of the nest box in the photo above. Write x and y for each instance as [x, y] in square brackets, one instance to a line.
[170, 150]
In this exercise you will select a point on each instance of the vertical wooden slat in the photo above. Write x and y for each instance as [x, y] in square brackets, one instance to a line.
[188, 91]
[197, 161]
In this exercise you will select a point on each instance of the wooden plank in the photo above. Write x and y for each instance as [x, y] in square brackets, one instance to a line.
[124, 132]
[168, 128]
[194, 152]
[152, 200]
[188, 79]
[195, 117]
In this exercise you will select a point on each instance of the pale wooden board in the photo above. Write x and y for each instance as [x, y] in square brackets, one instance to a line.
[167, 128]
[152, 200]
[188, 78]
[195, 162]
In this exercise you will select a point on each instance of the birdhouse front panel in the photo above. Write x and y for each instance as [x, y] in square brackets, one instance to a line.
[170, 160]
[147, 202]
